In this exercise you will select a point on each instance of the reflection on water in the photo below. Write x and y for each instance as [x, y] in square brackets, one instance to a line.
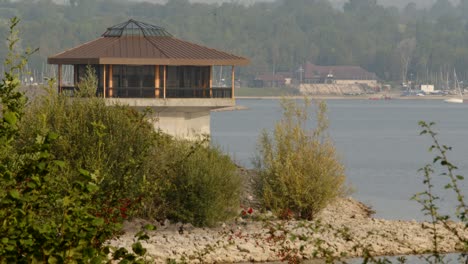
[378, 141]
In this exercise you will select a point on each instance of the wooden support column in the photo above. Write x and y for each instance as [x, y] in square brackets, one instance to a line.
[203, 81]
[211, 81]
[104, 80]
[59, 78]
[233, 80]
[111, 81]
[157, 81]
[165, 81]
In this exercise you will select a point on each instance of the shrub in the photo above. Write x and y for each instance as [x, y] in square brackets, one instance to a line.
[203, 187]
[299, 171]
[114, 142]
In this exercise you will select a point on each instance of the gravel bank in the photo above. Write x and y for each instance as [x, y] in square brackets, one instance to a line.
[263, 240]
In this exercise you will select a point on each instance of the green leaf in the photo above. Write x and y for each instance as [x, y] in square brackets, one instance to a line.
[52, 260]
[84, 172]
[138, 249]
[52, 136]
[59, 163]
[66, 201]
[91, 187]
[461, 178]
[98, 222]
[143, 237]
[10, 117]
[41, 166]
[15, 194]
[150, 227]
[120, 253]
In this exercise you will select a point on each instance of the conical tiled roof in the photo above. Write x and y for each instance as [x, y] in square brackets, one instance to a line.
[138, 43]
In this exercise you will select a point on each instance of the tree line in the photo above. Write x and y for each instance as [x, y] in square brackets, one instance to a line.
[405, 44]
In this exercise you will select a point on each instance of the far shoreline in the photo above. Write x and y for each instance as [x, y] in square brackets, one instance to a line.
[376, 97]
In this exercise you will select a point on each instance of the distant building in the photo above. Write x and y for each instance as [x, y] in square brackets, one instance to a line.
[280, 79]
[427, 88]
[338, 74]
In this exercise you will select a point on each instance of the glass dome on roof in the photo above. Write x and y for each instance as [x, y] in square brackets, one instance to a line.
[136, 28]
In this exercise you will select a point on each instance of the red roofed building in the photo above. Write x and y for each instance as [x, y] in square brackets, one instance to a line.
[338, 74]
[280, 79]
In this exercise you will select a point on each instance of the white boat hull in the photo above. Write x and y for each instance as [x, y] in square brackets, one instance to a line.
[454, 100]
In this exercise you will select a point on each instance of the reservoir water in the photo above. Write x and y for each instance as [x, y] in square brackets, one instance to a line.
[378, 142]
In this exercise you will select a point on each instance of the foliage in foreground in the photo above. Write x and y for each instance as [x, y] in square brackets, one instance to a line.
[43, 218]
[429, 199]
[299, 170]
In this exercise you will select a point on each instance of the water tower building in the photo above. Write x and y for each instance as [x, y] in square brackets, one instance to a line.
[143, 65]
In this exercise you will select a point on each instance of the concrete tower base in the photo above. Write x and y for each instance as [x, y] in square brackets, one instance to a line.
[181, 118]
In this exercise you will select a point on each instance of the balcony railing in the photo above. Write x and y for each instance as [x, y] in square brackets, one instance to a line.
[141, 92]
[132, 92]
[149, 92]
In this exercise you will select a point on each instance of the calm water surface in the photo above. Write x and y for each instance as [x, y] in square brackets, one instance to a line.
[378, 142]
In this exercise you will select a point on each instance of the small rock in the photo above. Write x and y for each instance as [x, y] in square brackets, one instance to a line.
[243, 248]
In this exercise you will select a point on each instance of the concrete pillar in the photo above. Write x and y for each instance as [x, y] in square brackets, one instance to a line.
[185, 125]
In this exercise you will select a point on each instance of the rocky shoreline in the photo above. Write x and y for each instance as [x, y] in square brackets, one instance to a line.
[346, 227]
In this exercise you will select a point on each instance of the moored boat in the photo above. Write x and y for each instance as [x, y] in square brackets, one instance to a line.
[456, 100]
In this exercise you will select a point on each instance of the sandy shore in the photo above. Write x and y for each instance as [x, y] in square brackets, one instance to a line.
[267, 240]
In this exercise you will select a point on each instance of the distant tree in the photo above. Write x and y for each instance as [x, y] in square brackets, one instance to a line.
[365, 33]
[360, 5]
[410, 11]
[405, 49]
[442, 7]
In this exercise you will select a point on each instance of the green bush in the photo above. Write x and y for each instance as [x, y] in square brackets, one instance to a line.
[299, 171]
[113, 142]
[203, 188]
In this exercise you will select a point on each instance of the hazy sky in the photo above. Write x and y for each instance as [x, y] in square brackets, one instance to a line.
[339, 3]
